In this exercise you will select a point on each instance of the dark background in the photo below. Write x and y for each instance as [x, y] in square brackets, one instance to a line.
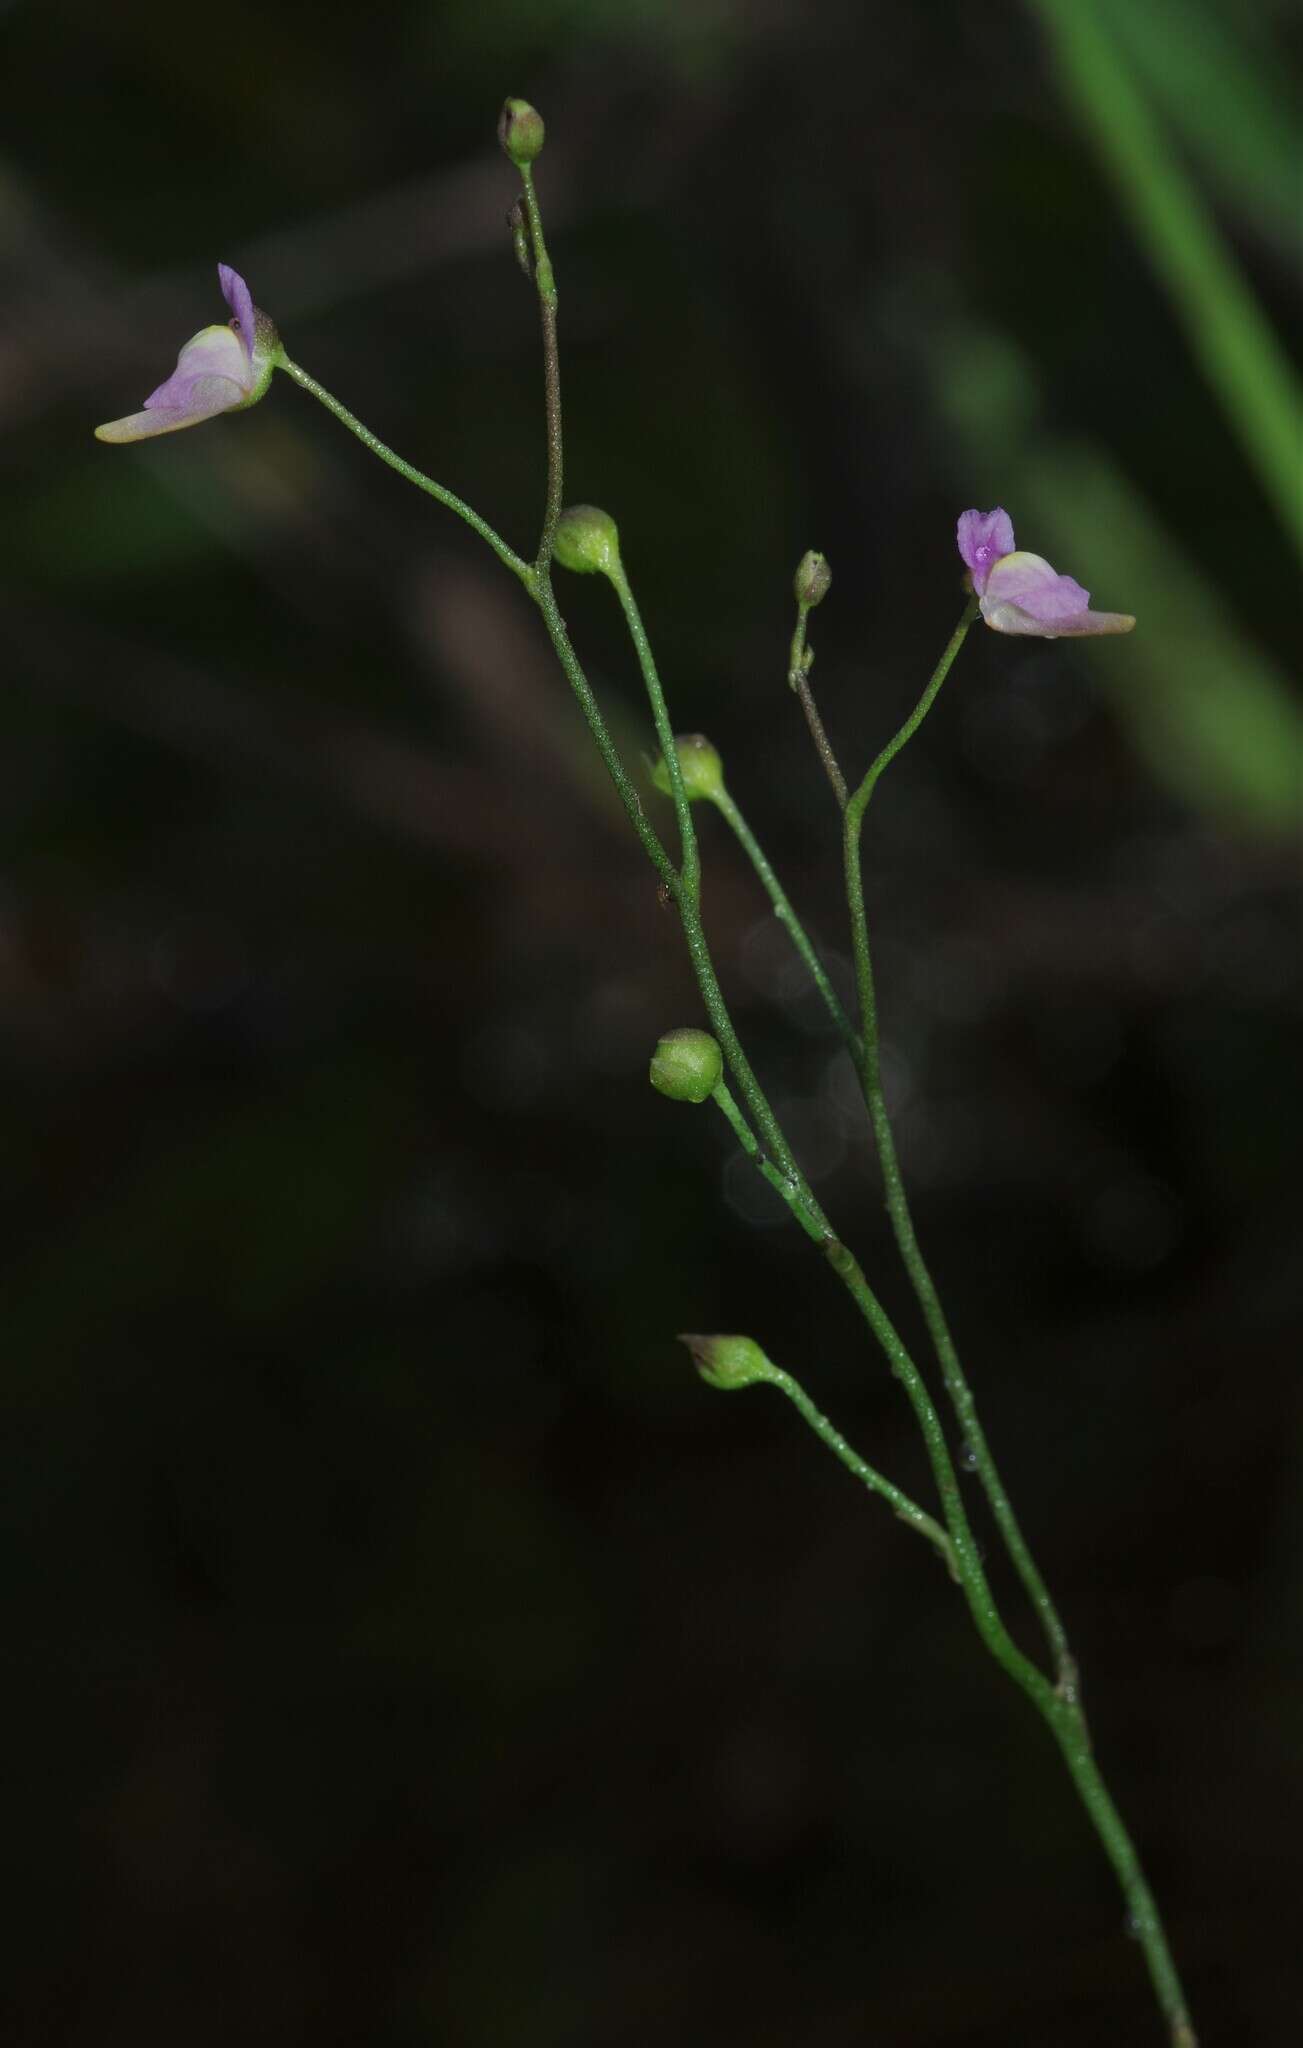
[400, 1644]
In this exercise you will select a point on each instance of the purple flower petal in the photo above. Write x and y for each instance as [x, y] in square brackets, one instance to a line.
[207, 397]
[213, 352]
[240, 300]
[983, 538]
[1028, 580]
[1010, 618]
[1024, 594]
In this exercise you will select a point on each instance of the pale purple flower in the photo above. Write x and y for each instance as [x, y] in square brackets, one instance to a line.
[220, 369]
[983, 538]
[1019, 592]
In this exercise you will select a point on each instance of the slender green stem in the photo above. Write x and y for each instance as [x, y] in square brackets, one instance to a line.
[684, 883]
[407, 469]
[968, 1561]
[690, 854]
[808, 1213]
[977, 1592]
[688, 899]
[1058, 1707]
[547, 306]
[805, 1210]
[538, 575]
[1226, 328]
[1144, 1920]
[545, 598]
[780, 1167]
[859, 802]
[799, 661]
[908, 1510]
[787, 917]
[956, 1383]
[796, 653]
[823, 745]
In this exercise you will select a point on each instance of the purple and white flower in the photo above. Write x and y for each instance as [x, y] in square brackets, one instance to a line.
[220, 369]
[1018, 592]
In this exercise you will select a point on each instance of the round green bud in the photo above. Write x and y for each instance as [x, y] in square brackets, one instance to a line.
[813, 579]
[699, 765]
[686, 1065]
[729, 1362]
[520, 131]
[587, 540]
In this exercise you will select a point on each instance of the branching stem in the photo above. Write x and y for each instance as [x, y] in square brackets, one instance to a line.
[787, 917]
[770, 1151]
[407, 469]
[799, 662]
[897, 1202]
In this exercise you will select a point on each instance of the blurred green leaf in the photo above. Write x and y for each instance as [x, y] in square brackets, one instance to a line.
[1226, 329]
[1217, 85]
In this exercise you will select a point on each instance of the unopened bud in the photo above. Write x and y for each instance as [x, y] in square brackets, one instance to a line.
[699, 765]
[520, 131]
[588, 540]
[813, 579]
[729, 1362]
[686, 1065]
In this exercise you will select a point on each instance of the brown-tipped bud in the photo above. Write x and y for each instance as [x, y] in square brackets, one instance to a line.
[686, 1065]
[729, 1362]
[813, 580]
[520, 131]
[699, 765]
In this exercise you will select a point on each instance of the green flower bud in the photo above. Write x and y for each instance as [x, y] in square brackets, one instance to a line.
[520, 131]
[587, 540]
[686, 1065]
[813, 579]
[729, 1362]
[699, 764]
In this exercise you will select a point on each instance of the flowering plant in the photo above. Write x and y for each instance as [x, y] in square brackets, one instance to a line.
[224, 369]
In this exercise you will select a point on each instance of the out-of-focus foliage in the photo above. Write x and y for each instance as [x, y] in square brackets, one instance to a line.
[1224, 327]
[1215, 76]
